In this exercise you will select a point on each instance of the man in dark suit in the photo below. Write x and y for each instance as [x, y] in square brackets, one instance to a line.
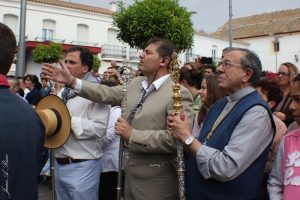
[149, 172]
[21, 133]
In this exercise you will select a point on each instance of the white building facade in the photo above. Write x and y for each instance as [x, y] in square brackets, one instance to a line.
[69, 24]
[75, 24]
[288, 50]
[209, 46]
[274, 36]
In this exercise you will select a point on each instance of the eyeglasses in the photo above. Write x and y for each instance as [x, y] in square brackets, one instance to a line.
[226, 64]
[283, 73]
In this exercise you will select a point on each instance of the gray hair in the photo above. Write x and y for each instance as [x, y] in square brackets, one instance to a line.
[15, 81]
[250, 60]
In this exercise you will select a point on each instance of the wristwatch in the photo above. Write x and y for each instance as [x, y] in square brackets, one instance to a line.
[189, 140]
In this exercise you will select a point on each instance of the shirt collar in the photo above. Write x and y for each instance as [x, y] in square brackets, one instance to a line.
[3, 81]
[239, 94]
[157, 83]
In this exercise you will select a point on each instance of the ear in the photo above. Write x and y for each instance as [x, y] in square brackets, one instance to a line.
[85, 69]
[248, 75]
[184, 83]
[271, 104]
[165, 62]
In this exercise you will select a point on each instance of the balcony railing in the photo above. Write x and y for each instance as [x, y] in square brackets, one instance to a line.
[113, 52]
[42, 39]
[81, 43]
[192, 58]
[134, 54]
[63, 41]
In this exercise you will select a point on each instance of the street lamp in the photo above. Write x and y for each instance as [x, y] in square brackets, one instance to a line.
[276, 47]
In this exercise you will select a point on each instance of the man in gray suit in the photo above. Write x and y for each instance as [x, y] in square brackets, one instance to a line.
[149, 172]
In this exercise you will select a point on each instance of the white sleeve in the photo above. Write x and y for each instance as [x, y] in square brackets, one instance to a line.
[115, 113]
[275, 181]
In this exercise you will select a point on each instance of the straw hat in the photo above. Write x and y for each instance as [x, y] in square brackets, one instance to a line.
[56, 118]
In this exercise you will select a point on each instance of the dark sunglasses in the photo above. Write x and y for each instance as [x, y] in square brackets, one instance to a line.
[283, 73]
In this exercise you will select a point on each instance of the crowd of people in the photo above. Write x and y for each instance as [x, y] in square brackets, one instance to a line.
[240, 131]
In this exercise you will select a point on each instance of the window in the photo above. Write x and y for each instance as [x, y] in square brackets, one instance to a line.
[12, 22]
[48, 34]
[112, 37]
[48, 30]
[82, 34]
[214, 52]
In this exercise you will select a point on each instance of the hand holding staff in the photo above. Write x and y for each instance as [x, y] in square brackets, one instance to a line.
[125, 78]
[174, 70]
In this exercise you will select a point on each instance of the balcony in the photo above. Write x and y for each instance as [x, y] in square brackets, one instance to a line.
[113, 52]
[134, 54]
[43, 39]
[81, 43]
[32, 44]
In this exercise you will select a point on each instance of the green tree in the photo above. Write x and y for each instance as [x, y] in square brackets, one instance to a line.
[147, 19]
[47, 53]
[96, 63]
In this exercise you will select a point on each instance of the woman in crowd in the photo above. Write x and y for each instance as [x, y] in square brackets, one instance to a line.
[31, 82]
[209, 94]
[286, 74]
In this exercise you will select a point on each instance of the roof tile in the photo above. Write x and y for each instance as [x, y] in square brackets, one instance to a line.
[279, 22]
[75, 6]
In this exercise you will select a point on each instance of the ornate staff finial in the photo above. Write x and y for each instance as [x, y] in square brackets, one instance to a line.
[125, 73]
[175, 73]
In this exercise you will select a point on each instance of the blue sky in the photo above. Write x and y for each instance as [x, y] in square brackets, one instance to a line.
[212, 14]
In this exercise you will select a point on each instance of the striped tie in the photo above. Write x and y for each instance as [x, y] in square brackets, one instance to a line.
[144, 95]
[64, 94]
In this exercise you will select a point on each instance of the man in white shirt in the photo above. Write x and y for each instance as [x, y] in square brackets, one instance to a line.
[77, 166]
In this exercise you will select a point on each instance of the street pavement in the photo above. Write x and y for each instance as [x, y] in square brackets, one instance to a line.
[45, 192]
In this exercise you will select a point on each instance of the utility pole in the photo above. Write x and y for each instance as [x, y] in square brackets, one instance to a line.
[187, 55]
[230, 24]
[20, 69]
